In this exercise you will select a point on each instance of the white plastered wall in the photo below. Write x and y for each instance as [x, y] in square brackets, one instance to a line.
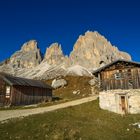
[110, 100]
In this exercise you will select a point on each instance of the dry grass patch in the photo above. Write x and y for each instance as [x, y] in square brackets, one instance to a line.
[74, 83]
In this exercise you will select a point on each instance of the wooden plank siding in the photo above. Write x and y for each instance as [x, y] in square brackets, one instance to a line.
[23, 95]
[2, 92]
[21, 91]
[120, 74]
[29, 95]
[130, 78]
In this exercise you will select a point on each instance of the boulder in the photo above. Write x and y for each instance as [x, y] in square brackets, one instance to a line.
[76, 92]
[93, 82]
[58, 83]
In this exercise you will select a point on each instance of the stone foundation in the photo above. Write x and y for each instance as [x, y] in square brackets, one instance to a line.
[111, 100]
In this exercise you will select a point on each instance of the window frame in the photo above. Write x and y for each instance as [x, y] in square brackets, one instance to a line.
[8, 91]
[118, 75]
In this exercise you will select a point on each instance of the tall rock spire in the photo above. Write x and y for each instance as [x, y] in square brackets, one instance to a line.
[92, 50]
[28, 57]
[54, 54]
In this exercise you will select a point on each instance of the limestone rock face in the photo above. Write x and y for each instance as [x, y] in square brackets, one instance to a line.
[78, 70]
[93, 51]
[90, 52]
[52, 72]
[7, 68]
[54, 55]
[28, 57]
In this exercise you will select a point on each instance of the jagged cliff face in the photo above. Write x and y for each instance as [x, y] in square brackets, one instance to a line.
[54, 55]
[92, 51]
[28, 57]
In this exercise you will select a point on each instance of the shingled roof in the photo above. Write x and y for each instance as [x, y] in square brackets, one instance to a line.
[12, 80]
[114, 62]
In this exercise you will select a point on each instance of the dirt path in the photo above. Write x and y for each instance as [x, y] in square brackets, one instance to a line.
[8, 114]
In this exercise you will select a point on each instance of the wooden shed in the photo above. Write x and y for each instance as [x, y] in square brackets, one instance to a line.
[120, 74]
[120, 86]
[21, 91]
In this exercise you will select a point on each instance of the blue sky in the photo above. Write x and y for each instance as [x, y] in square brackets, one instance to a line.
[62, 21]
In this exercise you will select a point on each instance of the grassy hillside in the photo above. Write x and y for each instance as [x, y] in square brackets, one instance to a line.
[83, 122]
[74, 83]
[65, 94]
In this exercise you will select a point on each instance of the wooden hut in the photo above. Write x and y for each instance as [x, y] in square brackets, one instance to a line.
[120, 86]
[21, 91]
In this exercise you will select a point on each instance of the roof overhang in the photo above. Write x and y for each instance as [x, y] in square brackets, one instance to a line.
[114, 62]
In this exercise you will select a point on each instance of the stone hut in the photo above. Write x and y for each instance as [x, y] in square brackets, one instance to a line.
[119, 87]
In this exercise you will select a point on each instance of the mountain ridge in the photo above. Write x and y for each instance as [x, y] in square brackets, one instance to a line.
[90, 51]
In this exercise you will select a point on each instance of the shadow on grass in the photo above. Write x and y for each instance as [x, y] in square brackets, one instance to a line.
[56, 98]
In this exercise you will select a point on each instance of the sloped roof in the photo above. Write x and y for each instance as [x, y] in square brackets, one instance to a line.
[12, 80]
[114, 62]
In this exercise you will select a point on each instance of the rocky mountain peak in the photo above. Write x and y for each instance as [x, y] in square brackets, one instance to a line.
[93, 50]
[90, 51]
[28, 57]
[54, 54]
[30, 46]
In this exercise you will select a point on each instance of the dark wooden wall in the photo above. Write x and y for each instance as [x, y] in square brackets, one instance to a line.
[130, 78]
[2, 92]
[23, 95]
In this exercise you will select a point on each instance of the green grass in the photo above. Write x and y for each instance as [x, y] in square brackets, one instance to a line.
[83, 122]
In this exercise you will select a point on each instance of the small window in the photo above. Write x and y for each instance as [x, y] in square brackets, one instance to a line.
[7, 91]
[118, 76]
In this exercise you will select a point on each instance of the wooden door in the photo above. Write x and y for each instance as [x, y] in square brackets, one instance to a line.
[123, 104]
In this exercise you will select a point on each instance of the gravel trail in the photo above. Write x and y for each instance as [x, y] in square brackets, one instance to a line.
[8, 114]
